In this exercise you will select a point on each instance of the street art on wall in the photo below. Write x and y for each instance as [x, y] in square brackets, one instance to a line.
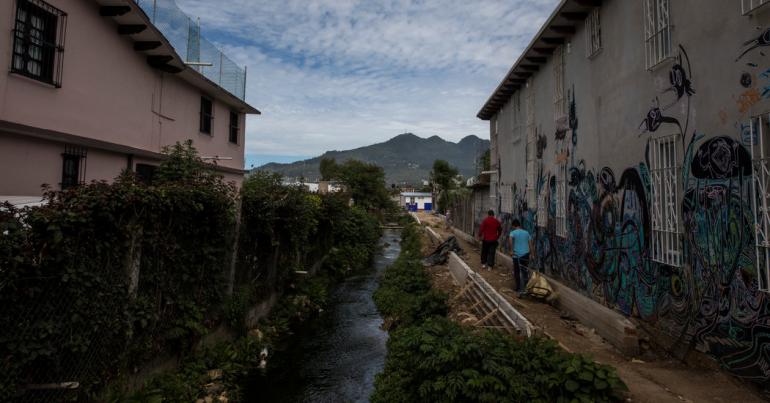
[711, 303]
[763, 40]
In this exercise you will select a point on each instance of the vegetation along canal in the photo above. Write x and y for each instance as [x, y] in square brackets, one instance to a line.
[337, 356]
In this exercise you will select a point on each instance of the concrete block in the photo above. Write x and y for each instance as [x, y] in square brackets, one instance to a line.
[458, 268]
[462, 235]
[435, 237]
[610, 324]
[416, 218]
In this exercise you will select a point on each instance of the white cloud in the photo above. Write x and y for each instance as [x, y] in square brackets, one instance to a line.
[338, 74]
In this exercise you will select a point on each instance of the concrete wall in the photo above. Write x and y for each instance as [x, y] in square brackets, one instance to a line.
[108, 93]
[615, 108]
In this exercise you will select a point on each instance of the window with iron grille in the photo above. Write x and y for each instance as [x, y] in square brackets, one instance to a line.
[542, 208]
[560, 198]
[493, 141]
[493, 187]
[516, 125]
[531, 145]
[747, 6]
[207, 115]
[593, 33]
[145, 173]
[73, 167]
[666, 245]
[559, 100]
[506, 198]
[657, 30]
[234, 129]
[760, 156]
[38, 41]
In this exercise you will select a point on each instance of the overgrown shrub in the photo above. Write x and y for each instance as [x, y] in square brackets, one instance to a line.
[439, 361]
[66, 313]
[405, 296]
[432, 359]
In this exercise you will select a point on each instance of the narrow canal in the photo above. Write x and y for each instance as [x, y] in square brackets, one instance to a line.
[336, 356]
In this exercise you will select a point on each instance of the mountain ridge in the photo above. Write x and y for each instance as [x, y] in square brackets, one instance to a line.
[406, 158]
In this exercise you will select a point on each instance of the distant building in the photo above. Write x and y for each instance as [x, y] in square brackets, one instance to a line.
[94, 87]
[417, 201]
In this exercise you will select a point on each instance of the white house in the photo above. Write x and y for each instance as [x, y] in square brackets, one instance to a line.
[414, 201]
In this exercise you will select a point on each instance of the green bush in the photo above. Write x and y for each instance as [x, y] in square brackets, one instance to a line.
[432, 359]
[440, 361]
[405, 296]
[65, 308]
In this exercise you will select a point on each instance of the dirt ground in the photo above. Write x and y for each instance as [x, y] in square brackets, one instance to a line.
[650, 378]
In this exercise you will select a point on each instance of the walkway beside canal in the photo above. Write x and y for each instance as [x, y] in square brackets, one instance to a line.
[650, 378]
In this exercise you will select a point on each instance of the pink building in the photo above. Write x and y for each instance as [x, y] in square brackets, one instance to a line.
[93, 87]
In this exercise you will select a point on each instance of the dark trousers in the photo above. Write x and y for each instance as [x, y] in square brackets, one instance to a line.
[521, 272]
[488, 251]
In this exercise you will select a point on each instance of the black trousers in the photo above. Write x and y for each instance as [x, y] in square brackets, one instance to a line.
[521, 272]
[488, 251]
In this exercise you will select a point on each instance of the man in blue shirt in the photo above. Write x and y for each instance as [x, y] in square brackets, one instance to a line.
[520, 243]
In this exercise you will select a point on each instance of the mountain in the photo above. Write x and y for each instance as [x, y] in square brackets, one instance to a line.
[405, 158]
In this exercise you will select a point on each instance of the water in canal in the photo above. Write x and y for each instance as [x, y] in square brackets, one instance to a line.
[334, 358]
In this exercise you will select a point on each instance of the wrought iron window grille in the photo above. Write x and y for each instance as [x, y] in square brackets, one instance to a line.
[38, 41]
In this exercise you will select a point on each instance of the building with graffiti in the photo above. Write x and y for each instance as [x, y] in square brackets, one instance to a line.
[632, 138]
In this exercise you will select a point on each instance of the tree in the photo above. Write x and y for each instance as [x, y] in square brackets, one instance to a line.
[366, 184]
[485, 161]
[329, 169]
[443, 175]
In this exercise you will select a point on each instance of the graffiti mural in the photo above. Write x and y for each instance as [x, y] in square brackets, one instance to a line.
[712, 302]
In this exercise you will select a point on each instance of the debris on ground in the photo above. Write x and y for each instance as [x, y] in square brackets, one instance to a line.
[441, 254]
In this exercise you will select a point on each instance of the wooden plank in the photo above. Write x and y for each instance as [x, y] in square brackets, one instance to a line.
[485, 318]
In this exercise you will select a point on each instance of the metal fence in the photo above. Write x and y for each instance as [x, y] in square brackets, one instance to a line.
[468, 210]
[184, 34]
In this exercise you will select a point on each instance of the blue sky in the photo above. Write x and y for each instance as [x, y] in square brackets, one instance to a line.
[341, 74]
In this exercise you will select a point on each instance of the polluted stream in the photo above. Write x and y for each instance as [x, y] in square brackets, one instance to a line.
[335, 357]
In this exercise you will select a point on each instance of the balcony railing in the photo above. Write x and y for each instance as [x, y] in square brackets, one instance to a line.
[184, 34]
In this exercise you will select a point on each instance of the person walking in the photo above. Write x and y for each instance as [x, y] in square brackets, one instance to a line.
[521, 244]
[489, 232]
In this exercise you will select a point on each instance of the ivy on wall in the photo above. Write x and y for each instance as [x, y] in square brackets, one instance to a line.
[106, 276]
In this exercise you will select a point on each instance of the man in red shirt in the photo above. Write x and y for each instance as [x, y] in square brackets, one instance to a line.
[489, 233]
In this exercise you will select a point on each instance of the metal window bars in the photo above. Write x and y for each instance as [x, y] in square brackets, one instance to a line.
[73, 166]
[657, 32]
[493, 141]
[531, 145]
[38, 41]
[506, 198]
[666, 245]
[593, 33]
[561, 200]
[184, 35]
[530, 188]
[760, 158]
[542, 208]
[559, 100]
[516, 125]
[748, 6]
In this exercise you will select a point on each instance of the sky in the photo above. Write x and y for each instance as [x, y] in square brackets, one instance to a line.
[341, 74]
